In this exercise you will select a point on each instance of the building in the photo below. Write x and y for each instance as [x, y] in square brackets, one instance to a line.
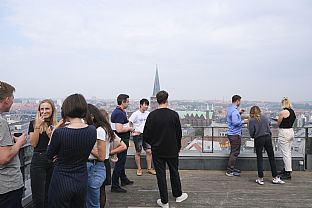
[153, 101]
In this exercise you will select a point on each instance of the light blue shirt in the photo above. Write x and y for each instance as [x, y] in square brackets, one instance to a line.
[234, 121]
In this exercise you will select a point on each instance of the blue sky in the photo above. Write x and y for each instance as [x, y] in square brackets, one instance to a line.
[204, 49]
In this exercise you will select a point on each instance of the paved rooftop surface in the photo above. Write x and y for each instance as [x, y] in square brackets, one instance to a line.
[214, 189]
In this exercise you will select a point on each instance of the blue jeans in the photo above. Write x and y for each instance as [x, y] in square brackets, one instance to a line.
[96, 177]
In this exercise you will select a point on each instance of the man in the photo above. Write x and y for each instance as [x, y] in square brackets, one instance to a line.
[163, 132]
[137, 120]
[11, 180]
[234, 134]
[120, 125]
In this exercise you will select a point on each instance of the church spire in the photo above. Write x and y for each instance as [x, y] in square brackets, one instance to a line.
[156, 83]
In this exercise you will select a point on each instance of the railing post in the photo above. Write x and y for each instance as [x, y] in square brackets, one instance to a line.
[212, 135]
[308, 150]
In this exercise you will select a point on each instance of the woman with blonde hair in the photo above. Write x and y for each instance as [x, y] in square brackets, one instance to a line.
[259, 129]
[41, 168]
[285, 121]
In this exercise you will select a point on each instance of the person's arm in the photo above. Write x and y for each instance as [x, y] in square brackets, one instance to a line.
[251, 128]
[122, 129]
[147, 130]
[120, 148]
[178, 131]
[236, 119]
[34, 131]
[100, 150]
[7, 153]
[281, 115]
[54, 145]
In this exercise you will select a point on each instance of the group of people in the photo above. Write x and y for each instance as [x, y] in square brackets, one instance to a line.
[259, 129]
[70, 165]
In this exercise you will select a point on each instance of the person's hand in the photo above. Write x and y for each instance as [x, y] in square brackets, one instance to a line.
[245, 121]
[21, 140]
[60, 124]
[241, 111]
[39, 120]
[131, 129]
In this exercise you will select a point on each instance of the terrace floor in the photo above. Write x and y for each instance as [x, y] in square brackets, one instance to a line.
[207, 188]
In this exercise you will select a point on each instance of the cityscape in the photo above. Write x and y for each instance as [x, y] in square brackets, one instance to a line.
[204, 122]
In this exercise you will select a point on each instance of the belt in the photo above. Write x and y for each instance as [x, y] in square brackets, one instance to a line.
[94, 161]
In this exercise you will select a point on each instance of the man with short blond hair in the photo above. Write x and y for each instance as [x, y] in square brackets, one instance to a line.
[11, 180]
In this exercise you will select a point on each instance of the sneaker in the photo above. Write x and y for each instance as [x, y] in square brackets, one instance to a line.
[118, 190]
[182, 197]
[139, 172]
[126, 182]
[277, 180]
[232, 173]
[260, 181]
[151, 171]
[161, 204]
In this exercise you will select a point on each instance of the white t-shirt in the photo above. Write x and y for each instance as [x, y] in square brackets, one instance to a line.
[101, 135]
[138, 119]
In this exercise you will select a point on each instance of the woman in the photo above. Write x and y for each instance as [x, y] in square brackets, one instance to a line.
[95, 164]
[285, 121]
[120, 147]
[71, 146]
[259, 129]
[41, 168]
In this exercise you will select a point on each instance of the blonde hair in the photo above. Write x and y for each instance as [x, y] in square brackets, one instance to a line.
[6, 90]
[286, 103]
[255, 112]
[53, 119]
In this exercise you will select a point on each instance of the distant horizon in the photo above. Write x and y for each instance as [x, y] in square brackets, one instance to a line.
[137, 99]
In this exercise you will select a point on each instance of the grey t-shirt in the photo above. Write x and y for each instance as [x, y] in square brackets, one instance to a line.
[10, 174]
[259, 128]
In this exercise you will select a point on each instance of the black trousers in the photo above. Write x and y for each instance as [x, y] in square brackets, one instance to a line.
[266, 143]
[235, 141]
[12, 199]
[160, 167]
[119, 169]
[41, 170]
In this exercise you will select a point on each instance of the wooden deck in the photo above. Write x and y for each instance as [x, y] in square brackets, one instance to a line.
[214, 189]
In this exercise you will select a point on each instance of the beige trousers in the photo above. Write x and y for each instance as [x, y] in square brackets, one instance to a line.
[286, 138]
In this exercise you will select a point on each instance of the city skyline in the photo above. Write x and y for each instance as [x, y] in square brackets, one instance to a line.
[205, 50]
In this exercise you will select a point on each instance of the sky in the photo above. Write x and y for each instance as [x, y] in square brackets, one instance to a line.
[204, 49]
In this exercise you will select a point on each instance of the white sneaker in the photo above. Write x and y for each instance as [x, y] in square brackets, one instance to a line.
[182, 197]
[277, 180]
[260, 181]
[161, 204]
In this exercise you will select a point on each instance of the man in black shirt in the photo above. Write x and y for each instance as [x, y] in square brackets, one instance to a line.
[163, 132]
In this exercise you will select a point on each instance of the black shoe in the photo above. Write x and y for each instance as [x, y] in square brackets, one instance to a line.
[286, 175]
[126, 182]
[118, 190]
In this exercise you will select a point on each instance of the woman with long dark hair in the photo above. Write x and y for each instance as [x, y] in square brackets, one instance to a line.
[95, 164]
[41, 168]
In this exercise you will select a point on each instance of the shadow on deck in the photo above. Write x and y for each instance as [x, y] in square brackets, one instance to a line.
[214, 189]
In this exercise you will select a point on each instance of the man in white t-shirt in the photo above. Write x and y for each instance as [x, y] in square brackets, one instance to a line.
[137, 120]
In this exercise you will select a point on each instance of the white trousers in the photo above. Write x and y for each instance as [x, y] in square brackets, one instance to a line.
[286, 138]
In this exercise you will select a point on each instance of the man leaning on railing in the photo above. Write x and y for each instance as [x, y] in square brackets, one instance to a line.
[11, 180]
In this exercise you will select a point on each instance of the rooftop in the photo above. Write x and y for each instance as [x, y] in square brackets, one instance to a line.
[208, 188]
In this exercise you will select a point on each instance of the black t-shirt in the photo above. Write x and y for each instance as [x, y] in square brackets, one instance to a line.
[163, 132]
[289, 121]
[43, 139]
